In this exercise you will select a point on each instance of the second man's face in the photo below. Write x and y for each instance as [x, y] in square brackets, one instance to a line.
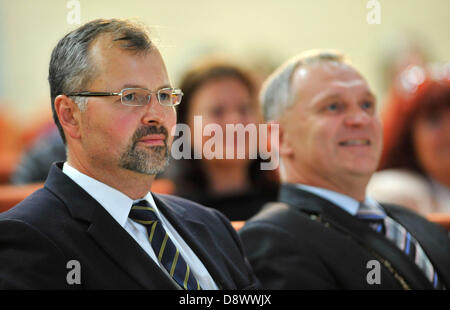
[115, 136]
[332, 129]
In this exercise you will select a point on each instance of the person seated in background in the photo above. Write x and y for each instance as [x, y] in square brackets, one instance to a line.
[95, 224]
[35, 163]
[10, 143]
[221, 93]
[415, 163]
[325, 232]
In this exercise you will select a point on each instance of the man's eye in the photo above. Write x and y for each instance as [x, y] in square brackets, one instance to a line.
[367, 105]
[217, 112]
[332, 107]
[129, 97]
[164, 96]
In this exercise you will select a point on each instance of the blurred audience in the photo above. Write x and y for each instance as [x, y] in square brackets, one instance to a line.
[398, 53]
[10, 146]
[17, 134]
[222, 93]
[35, 163]
[415, 162]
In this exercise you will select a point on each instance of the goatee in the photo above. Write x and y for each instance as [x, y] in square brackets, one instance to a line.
[149, 160]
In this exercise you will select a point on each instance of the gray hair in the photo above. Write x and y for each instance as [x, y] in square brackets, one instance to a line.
[276, 94]
[71, 68]
[81, 103]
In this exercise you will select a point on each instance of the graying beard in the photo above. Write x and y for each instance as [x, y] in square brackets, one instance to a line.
[143, 162]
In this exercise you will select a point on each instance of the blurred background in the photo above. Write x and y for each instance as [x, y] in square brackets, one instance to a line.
[259, 33]
[265, 32]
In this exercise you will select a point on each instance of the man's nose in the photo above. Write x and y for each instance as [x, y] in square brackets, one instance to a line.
[155, 113]
[357, 117]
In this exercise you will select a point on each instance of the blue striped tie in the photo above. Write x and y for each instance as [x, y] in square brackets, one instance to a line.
[166, 251]
[395, 232]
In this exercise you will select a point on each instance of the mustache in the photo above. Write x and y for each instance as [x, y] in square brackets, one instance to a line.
[149, 130]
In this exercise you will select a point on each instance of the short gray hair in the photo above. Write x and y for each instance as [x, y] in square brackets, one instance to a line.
[71, 68]
[276, 94]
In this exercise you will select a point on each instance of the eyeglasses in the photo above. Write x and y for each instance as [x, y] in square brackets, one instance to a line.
[139, 96]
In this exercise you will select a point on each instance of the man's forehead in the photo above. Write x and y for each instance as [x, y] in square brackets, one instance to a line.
[103, 49]
[325, 71]
[349, 83]
[327, 77]
[128, 66]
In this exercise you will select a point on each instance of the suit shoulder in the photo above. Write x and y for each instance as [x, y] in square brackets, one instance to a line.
[414, 221]
[177, 199]
[194, 207]
[401, 213]
[281, 217]
[397, 209]
[37, 209]
[278, 213]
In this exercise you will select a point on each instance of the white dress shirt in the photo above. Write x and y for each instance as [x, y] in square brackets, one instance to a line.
[118, 205]
[345, 202]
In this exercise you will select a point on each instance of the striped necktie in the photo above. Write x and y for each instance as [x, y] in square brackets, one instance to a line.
[166, 251]
[376, 218]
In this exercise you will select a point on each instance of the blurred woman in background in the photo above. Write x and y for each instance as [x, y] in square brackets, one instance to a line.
[415, 164]
[221, 93]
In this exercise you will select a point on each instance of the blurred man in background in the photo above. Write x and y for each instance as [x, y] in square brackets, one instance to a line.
[325, 233]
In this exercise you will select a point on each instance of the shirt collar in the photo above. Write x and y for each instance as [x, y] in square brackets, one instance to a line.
[345, 202]
[116, 203]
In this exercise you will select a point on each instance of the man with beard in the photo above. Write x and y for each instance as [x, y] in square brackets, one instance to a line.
[95, 225]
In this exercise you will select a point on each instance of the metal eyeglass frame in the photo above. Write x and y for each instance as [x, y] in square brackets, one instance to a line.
[178, 91]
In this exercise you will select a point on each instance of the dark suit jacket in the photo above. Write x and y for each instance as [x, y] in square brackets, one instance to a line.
[61, 222]
[309, 243]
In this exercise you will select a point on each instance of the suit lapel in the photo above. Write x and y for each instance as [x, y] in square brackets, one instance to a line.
[107, 233]
[379, 244]
[126, 252]
[431, 238]
[360, 232]
[195, 234]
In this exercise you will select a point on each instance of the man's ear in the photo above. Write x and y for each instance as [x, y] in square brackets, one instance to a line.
[68, 115]
[273, 136]
[284, 148]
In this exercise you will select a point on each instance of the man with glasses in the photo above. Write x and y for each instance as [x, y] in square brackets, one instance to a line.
[95, 225]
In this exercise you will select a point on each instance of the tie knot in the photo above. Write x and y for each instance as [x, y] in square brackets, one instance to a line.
[143, 213]
[365, 212]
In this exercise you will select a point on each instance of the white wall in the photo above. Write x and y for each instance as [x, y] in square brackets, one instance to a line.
[185, 28]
